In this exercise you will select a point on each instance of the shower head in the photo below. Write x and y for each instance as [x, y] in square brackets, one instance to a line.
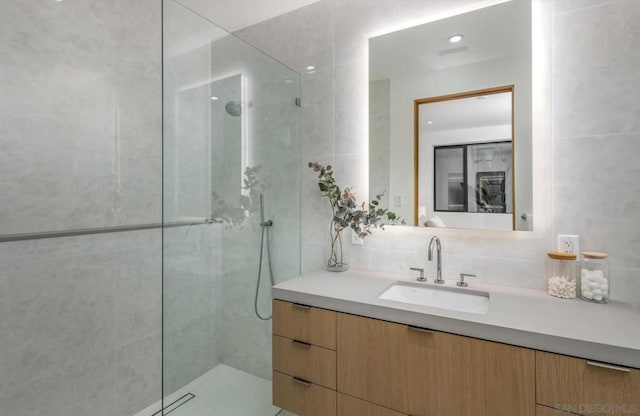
[233, 108]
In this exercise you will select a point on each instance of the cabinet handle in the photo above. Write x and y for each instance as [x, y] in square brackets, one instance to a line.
[418, 329]
[301, 344]
[301, 381]
[608, 366]
[300, 306]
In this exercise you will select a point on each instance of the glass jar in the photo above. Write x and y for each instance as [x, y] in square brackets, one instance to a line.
[594, 277]
[562, 275]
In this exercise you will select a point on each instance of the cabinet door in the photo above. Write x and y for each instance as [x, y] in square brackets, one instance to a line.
[451, 375]
[372, 360]
[350, 406]
[586, 387]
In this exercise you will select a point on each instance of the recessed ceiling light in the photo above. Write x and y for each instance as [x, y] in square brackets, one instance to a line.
[288, 81]
[455, 38]
[214, 98]
[429, 122]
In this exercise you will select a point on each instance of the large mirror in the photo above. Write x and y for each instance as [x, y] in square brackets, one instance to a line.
[450, 120]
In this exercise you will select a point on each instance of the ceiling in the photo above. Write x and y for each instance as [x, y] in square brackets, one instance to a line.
[483, 111]
[233, 15]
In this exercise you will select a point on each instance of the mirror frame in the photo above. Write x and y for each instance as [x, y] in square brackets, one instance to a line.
[416, 141]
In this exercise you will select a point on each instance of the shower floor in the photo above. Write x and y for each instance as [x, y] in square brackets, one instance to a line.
[223, 391]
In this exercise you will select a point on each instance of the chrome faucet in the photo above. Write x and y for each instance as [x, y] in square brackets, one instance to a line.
[439, 258]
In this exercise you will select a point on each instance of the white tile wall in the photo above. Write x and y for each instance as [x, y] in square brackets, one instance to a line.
[595, 113]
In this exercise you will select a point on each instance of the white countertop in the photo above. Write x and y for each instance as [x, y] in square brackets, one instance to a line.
[609, 333]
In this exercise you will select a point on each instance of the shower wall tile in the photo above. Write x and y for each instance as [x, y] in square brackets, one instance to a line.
[84, 387]
[54, 312]
[63, 303]
[189, 350]
[81, 93]
[138, 375]
[192, 302]
[247, 339]
[138, 293]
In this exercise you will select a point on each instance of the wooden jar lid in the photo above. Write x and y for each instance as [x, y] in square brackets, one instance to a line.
[594, 255]
[559, 255]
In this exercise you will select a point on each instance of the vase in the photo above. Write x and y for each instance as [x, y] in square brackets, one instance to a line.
[336, 252]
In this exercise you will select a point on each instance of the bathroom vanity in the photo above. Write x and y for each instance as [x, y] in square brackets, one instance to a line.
[339, 349]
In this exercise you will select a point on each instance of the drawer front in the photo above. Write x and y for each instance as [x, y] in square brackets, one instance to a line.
[304, 399]
[547, 411]
[307, 324]
[584, 387]
[350, 406]
[305, 361]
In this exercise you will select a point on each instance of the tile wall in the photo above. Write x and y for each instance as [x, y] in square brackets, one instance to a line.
[80, 147]
[585, 166]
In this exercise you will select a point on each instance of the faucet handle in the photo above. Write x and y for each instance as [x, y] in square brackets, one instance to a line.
[461, 282]
[421, 278]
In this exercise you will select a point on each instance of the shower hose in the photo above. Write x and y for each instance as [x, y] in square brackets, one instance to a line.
[264, 225]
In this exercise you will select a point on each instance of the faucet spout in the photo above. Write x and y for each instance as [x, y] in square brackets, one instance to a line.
[438, 247]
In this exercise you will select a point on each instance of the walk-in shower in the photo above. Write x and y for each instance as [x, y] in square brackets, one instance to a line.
[231, 154]
[135, 140]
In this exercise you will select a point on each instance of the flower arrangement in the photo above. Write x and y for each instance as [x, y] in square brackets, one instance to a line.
[362, 219]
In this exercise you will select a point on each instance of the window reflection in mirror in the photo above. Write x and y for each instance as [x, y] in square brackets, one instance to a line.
[464, 169]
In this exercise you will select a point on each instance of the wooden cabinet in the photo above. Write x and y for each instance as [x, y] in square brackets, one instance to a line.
[586, 387]
[327, 363]
[350, 406]
[423, 372]
[304, 359]
[372, 360]
[451, 375]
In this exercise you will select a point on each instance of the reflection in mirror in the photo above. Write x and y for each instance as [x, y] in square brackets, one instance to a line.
[464, 168]
[411, 64]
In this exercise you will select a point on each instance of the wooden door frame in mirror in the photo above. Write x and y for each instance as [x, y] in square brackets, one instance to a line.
[457, 96]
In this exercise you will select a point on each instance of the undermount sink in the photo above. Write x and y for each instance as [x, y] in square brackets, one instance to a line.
[455, 299]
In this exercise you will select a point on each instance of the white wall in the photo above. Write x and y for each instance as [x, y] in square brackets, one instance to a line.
[595, 85]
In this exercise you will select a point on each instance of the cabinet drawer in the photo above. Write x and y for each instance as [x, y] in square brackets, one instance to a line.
[350, 406]
[302, 398]
[307, 324]
[306, 361]
[584, 387]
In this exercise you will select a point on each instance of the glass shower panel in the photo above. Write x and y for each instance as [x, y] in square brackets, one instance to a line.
[231, 129]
